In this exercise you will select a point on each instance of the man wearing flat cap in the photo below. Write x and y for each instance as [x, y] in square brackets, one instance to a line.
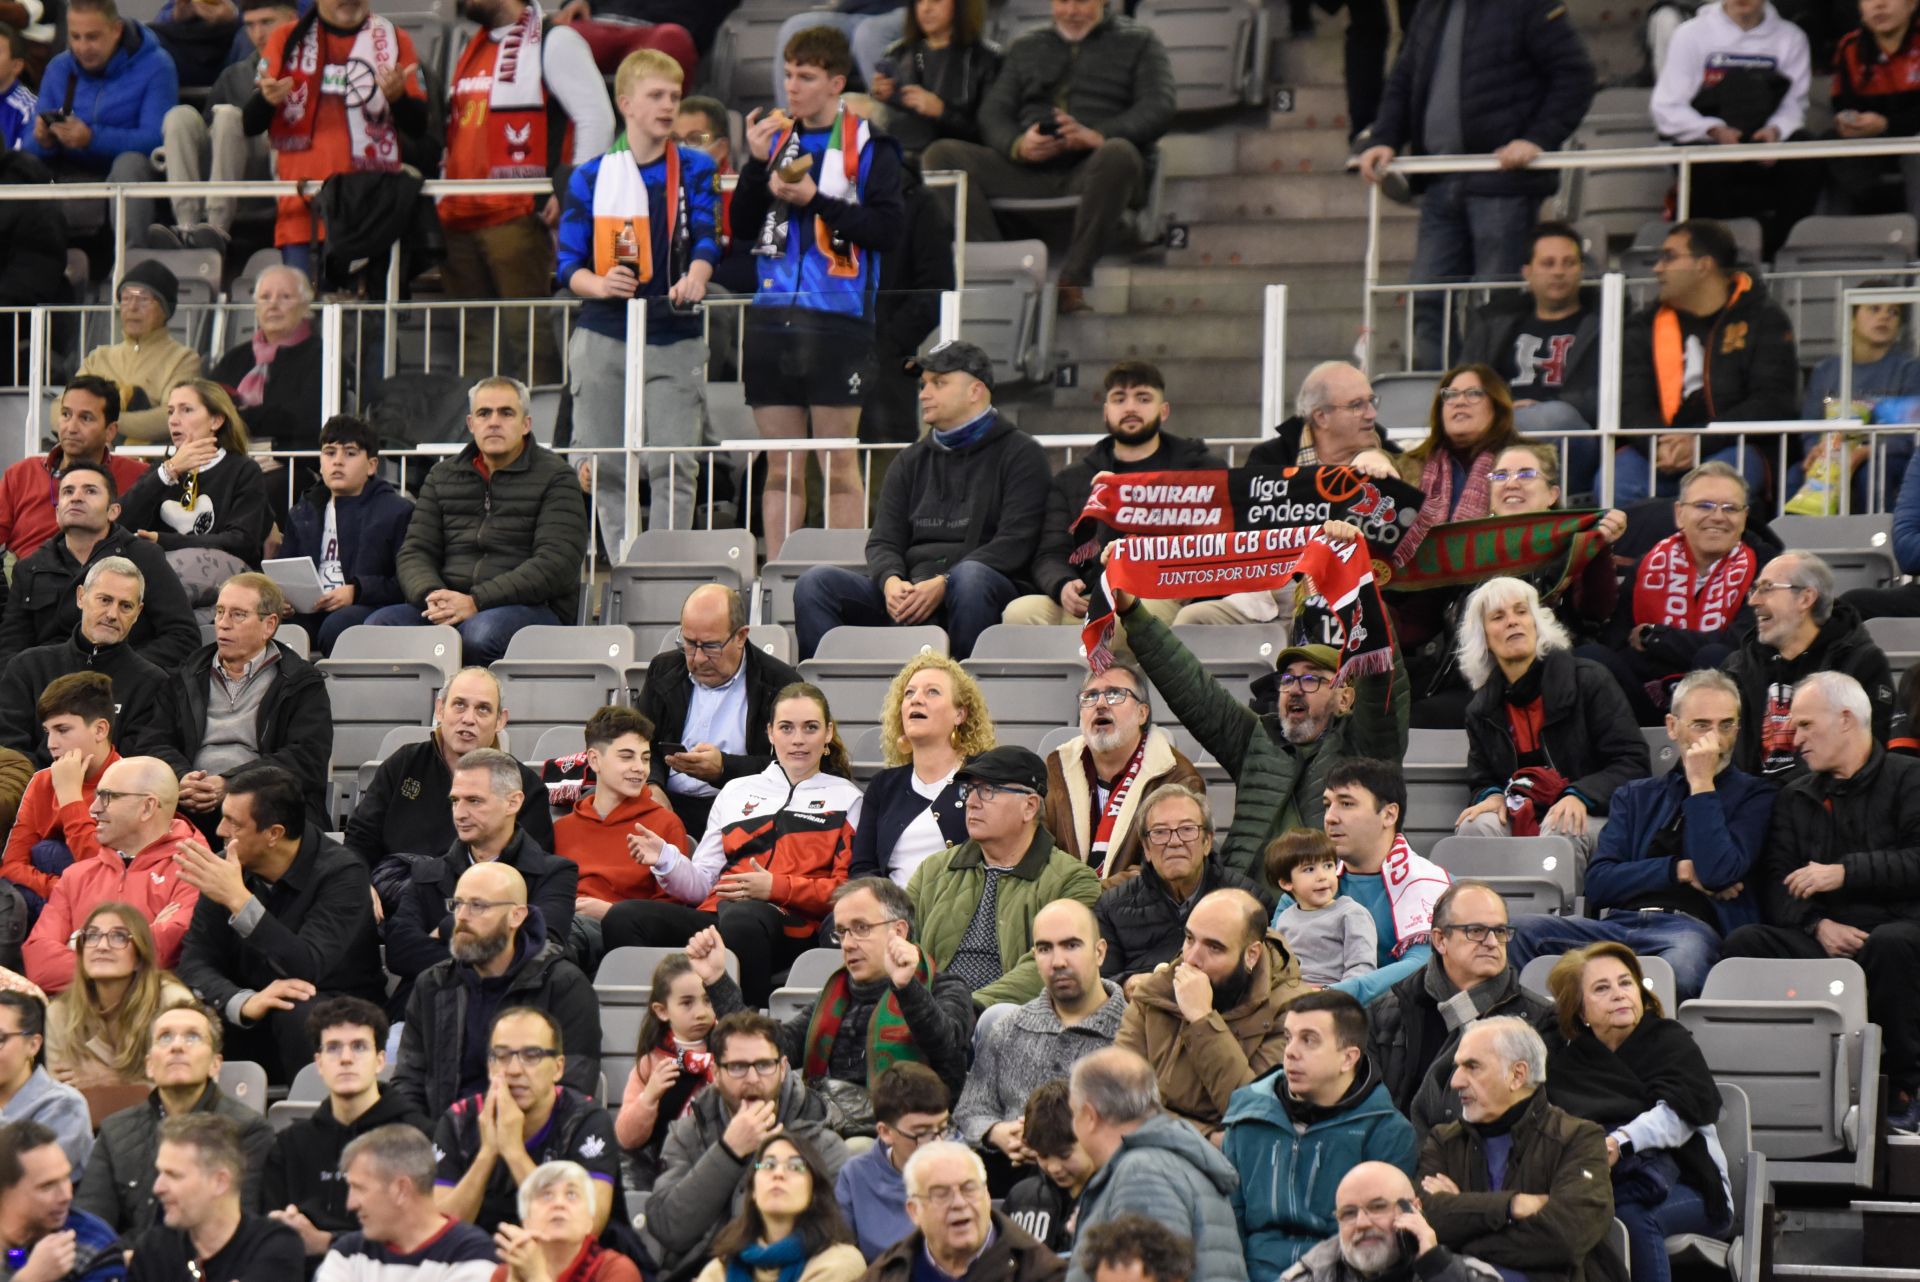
[974, 903]
[958, 518]
[149, 362]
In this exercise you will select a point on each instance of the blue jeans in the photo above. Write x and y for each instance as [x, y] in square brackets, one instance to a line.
[1463, 237]
[1687, 944]
[1556, 422]
[1633, 472]
[484, 636]
[1648, 1228]
[828, 596]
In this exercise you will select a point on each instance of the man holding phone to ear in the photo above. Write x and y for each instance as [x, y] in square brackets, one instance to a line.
[1382, 1232]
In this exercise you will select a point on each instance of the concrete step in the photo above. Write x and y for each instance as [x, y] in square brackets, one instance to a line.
[1315, 106]
[1287, 197]
[1289, 151]
[1258, 243]
[1179, 291]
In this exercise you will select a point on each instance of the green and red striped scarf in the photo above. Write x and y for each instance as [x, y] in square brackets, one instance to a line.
[889, 1040]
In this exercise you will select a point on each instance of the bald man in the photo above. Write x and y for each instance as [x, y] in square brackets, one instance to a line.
[1076, 1013]
[491, 966]
[133, 815]
[1382, 1231]
[1211, 1022]
[712, 698]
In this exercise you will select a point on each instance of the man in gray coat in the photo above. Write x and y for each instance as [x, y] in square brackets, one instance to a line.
[706, 1152]
[498, 533]
[1151, 1164]
[1075, 111]
[1377, 1210]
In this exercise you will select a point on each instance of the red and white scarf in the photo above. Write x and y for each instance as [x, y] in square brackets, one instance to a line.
[1666, 590]
[1414, 885]
[516, 121]
[1106, 819]
[375, 144]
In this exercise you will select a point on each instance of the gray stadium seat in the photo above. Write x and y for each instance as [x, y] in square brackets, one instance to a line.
[1739, 1255]
[625, 977]
[244, 1082]
[1872, 243]
[295, 638]
[302, 1101]
[865, 752]
[1217, 47]
[1658, 972]
[379, 678]
[1661, 749]
[1898, 638]
[646, 589]
[739, 71]
[1007, 308]
[619, 1046]
[1406, 400]
[1795, 1036]
[773, 639]
[559, 676]
[1030, 677]
[1015, 17]
[1436, 772]
[1618, 199]
[1054, 738]
[556, 741]
[804, 549]
[1859, 548]
[810, 973]
[1533, 874]
[1626, 104]
[390, 743]
[854, 666]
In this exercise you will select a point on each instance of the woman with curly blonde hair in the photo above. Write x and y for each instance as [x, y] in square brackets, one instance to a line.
[933, 718]
[97, 1029]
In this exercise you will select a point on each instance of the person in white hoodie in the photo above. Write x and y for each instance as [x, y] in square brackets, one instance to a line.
[1738, 72]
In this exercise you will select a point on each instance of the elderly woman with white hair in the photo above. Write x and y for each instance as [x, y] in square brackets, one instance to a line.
[1549, 736]
[276, 374]
[554, 1241]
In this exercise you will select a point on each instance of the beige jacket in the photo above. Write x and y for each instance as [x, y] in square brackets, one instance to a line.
[153, 365]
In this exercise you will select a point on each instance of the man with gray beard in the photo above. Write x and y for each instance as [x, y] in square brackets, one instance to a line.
[1383, 1237]
[500, 956]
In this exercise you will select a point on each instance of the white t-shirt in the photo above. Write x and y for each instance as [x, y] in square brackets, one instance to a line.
[921, 838]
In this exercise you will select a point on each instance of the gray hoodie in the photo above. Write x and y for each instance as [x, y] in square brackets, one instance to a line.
[1323, 1264]
[1166, 1171]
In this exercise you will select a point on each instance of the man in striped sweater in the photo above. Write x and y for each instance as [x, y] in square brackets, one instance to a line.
[403, 1236]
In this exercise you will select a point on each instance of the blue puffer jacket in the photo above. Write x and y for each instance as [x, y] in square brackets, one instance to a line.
[372, 525]
[1288, 1174]
[123, 103]
[1724, 833]
[1524, 73]
[798, 278]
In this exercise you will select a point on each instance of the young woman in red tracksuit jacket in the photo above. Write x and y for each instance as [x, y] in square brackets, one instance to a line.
[777, 844]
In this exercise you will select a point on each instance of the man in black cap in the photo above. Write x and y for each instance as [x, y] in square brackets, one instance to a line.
[148, 362]
[974, 904]
[958, 519]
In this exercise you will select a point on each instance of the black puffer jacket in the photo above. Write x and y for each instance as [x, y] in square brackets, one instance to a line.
[1415, 1073]
[1752, 366]
[1142, 924]
[1868, 824]
[295, 724]
[1068, 495]
[1118, 80]
[939, 507]
[1589, 732]
[1757, 668]
[41, 608]
[420, 926]
[136, 683]
[514, 538]
[1525, 74]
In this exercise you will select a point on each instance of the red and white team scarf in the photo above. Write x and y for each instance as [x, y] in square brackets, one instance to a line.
[1665, 591]
[1106, 821]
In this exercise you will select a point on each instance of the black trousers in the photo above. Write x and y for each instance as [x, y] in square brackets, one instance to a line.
[752, 930]
[1902, 602]
[1891, 958]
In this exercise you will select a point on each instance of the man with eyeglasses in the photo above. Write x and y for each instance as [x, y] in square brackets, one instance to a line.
[404, 811]
[1142, 918]
[957, 1234]
[1097, 780]
[499, 955]
[245, 699]
[490, 1141]
[712, 699]
[1800, 629]
[1688, 600]
[183, 1063]
[1713, 349]
[301, 1186]
[283, 918]
[928, 1012]
[975, 902]
[129, 858]
[1383, 1234]
[1076, 1014]
[708, 1148]
[911, 1107]
[1414, 1026]
[1211, 1022]
[211, 1232]
[1669, 874]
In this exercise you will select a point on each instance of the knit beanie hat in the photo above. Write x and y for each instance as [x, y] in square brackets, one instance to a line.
[152, 275]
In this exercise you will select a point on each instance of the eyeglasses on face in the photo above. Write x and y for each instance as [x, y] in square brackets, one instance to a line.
[1304, 682]
[1707, 507]
[708, 648]
[1500, 474]
[1765, 587]
[1471, 395]
[1379, 1209]
[1359, 405]
[116, 938]
[739, 1068]
[107, 796]
[859, 931]
[221, 614]
[988, 791]
[1479, 931]
[942, 1131]
[1112, 696]
[943, 1194]
[792, 1165]
[1185, 834]
[474, 907]
[530, 1056]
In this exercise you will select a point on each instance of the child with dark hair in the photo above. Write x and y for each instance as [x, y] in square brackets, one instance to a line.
[1044, 1204]
[351, 524]
[1332, 936]
[911, 1107]
[673, 1065]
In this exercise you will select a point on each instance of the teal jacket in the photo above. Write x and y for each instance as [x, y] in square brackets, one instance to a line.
[1271, 773]
[1284, 1202]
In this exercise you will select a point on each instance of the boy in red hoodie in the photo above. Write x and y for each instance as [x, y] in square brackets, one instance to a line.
[53, 827]
[612, 826]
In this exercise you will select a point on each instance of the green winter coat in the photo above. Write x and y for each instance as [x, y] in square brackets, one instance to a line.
[946, 888]
[1268, 771]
